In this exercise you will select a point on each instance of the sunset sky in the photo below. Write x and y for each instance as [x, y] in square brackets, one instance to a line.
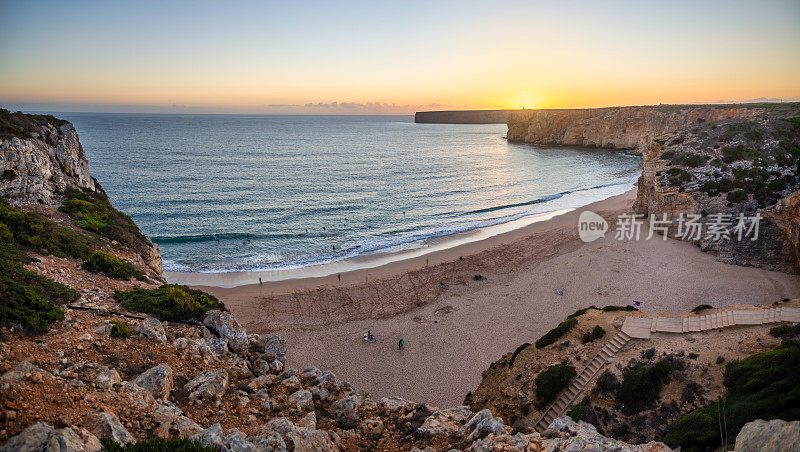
[395, 57]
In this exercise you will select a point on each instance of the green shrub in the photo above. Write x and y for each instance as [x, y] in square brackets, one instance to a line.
[27, 298]
[155, 444]
[9, 175]
[641, 385]
[112, 266]
[170, 302]
[785, 331]
[612, 308]
[21, 125]
[580, 312]
[552, 335]
[702, 307]
[516, 352]
[551, 381]
[32, 232]
[595, 333]
[762, 386]
[607, 383]
[94, 212]
[120, 330]
[578, 413]
[678, 176]
[737, 196]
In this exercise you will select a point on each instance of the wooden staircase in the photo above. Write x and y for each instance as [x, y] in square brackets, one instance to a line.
[579, 383]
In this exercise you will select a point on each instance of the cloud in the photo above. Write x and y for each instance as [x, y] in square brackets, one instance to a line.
[281, 105]
[368, 107]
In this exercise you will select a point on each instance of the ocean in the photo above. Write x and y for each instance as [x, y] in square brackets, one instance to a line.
[228, 193]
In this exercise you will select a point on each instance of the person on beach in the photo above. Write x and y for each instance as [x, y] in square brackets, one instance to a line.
[340, 276]
[259, 281]
[401, 344]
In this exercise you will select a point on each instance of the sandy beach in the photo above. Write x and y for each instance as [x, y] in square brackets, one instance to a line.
[453, 334]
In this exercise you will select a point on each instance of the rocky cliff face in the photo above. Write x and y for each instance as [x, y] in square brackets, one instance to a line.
[741, 166]
[42, 162]
[628, 128]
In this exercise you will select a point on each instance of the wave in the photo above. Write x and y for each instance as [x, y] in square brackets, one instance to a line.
[390, 242]
[233, 236]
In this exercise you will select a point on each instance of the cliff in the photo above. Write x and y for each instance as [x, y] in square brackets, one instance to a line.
[463, 116]
[45, 173]
[629, 128]
[41, 158]
[740, 166]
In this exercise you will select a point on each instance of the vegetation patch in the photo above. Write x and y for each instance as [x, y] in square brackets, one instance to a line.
[785, 332]
[29, 231]
[112, 266]
[94, 212]
[678, 176]
[762, 386]
[579, 412]
[610, 308]
[517, 352]
[701, 308]
[592, 335]
[553, 335]
[21, 125]
[120, 330]
[9, 175]
[28, 299]
[641, 385]
[551, 381]
[170, 302]
[155, 444]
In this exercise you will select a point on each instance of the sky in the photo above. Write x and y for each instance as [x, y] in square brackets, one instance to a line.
[342, 57]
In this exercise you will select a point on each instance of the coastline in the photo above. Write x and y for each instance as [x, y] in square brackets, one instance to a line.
[455, 333]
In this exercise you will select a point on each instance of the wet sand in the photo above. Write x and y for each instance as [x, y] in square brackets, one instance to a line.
[454, 334]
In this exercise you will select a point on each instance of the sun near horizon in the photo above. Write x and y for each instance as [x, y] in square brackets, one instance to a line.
[359, 58]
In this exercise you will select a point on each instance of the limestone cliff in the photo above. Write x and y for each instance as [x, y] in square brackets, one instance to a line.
[43, 164]
[741, 166]
[628, 128]
[41, 158]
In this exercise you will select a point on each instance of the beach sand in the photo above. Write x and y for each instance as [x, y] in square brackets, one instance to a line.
[324, 319]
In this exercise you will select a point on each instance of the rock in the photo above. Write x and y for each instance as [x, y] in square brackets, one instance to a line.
[42, 437]
[153, 329]
[291, 382]
[210, 384]
[505, 442]
[172, 422]
[372, 426]
[22, 372]
[300, 439]
[210, 436]
[309, 421]
[266, 353]
[773, 436]
[235, 442]
[107, 379]
[104, 330]
[260, 382]
[224, 325]
[108, 426]
[270, 443]
[346, 410]
[156, 380]
[302, 399]
[138, 396]
[393, 404]
[446, 422]
[566, 434]
[482, 424]
[86, 337]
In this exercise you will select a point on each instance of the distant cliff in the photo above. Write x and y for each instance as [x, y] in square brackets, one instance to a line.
[629, 128]
[464, 116]
[41, 158]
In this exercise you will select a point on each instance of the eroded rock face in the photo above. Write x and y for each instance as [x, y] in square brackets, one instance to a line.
[225, 325]
[615, 127]
[44, 166]
[773, 436]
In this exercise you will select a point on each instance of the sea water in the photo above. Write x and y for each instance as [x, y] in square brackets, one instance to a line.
[223, 193]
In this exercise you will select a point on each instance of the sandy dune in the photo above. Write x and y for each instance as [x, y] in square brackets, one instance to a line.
[479, 321]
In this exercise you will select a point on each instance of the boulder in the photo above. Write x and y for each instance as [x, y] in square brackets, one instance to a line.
[153, 329]
[236, 442]
[302, 399]
[210, 436]
[309, 421]
[773, 436]
[482, 424]
[22, 372]
[224, 325]
[394, 404]
[107, 379]
[210, 384]
[346, 411]
[266, 353]
[138, 396]
[505, 442]
[299, 438]
[41, 437]
[565, 434]
[171, 421]
[269, 443]
[156, 380]
[446, 422]
[108, 426]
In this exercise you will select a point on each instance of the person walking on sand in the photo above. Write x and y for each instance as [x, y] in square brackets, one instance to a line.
[340, 276]
[401, 343]
[259, 281]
